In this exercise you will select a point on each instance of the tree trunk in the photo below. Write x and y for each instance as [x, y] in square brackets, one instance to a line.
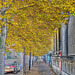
[3, 40]
[30, 61]
[33, 60]
[24, 61]
[2, 48]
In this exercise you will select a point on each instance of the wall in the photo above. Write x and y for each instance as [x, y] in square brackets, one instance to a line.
[56, 51]
[56, 65]
[56, 42]
[68, 67]
[64, 39]
[67, 47]
[71, 36]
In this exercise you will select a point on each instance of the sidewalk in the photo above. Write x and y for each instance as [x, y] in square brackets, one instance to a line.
[40, 68]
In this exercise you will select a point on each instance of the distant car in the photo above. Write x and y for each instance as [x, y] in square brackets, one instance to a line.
[13, 67]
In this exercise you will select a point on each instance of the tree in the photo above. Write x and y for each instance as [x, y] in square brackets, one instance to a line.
[32, 23]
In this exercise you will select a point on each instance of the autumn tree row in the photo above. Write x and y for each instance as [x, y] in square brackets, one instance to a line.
[32, 22]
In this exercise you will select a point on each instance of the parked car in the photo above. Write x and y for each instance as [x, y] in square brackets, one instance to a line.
[13, 67]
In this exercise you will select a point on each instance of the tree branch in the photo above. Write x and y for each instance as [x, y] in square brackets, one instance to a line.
[26, 7]
[4, 9]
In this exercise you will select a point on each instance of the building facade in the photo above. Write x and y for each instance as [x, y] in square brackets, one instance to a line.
[63, 57]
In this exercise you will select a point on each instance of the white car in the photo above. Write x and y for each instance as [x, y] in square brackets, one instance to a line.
[12, 67]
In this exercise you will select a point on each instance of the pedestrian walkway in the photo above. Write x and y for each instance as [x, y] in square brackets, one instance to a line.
[41, 68]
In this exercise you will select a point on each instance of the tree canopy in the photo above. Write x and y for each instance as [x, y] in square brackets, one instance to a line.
[32, 22]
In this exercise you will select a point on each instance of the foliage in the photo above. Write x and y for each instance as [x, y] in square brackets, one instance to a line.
[32, 22]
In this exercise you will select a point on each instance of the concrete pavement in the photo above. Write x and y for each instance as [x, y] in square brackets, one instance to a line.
[40, 68]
